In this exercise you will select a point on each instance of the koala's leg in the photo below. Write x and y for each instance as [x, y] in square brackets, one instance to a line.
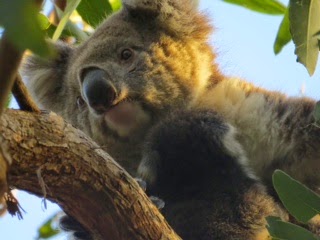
[193, 162]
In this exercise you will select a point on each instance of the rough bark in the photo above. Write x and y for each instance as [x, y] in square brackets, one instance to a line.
[52, 159]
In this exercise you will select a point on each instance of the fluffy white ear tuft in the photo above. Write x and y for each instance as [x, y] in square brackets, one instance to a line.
[44, 77]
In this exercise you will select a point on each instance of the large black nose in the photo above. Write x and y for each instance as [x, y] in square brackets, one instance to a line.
[98, 90]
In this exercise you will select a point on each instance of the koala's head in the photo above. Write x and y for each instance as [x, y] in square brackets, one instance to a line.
[142, 62]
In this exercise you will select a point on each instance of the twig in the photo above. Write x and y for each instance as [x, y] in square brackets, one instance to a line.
[23, 97]
[10, 59]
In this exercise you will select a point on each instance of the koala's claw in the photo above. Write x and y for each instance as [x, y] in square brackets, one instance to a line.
[158, 202]
[142, 183]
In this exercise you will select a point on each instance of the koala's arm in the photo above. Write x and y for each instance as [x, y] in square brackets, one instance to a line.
[193, 162]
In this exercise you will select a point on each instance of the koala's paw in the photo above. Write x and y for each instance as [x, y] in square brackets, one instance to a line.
[142, 183]
[72, 226]
[158, 202]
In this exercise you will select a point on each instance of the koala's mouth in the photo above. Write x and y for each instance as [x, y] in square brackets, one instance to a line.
[125, 117]
[122, 113]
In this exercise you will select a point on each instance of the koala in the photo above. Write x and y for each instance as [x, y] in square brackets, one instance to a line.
[149, 69]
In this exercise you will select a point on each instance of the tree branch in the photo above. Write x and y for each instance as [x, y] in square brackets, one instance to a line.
[50, 154]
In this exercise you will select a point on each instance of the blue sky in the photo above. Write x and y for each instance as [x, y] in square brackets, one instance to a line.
[244, 42]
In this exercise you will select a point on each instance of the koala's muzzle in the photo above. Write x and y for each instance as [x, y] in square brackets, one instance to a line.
[98, 91]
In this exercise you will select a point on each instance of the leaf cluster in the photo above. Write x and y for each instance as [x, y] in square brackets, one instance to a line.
[21, 20]
[301, 203]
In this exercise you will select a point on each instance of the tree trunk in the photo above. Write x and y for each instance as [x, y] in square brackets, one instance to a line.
[53, 160]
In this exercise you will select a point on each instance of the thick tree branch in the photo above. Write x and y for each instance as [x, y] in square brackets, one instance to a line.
[52, 158]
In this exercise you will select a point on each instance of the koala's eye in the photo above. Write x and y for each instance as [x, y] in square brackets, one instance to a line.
[126, 54]
[80, 102]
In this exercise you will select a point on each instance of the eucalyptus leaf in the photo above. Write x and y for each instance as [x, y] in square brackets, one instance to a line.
[71, 29]
[94, 11]
[65, 33]
[9, 100]
[49, 28]
[305, 28]
[283, 35]
[300, 201]
[44, 22]
[75, 31]
[22, 26]
[71, 6]
[272, 7]
[47, 230]
[280, 230]
[115, 4]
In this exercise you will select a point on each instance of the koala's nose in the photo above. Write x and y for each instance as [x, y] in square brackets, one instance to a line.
[98, 90]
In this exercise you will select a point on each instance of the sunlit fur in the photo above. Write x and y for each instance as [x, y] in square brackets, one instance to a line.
[173, 69]
[275, 131]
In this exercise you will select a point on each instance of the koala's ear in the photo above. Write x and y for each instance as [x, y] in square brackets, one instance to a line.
[45, 77]
[178, 17]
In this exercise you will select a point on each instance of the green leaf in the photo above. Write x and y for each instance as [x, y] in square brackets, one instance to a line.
[316, 113]
[115, 4]
[283, 35]
[300, 201]
[71, 29]
[22, 26]
[305, 28]
[280, 230]
[49, 28]
[9, 100]
[44, 22]
[46, 230]
[94, 11]
[272, 7]
[71, 6]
